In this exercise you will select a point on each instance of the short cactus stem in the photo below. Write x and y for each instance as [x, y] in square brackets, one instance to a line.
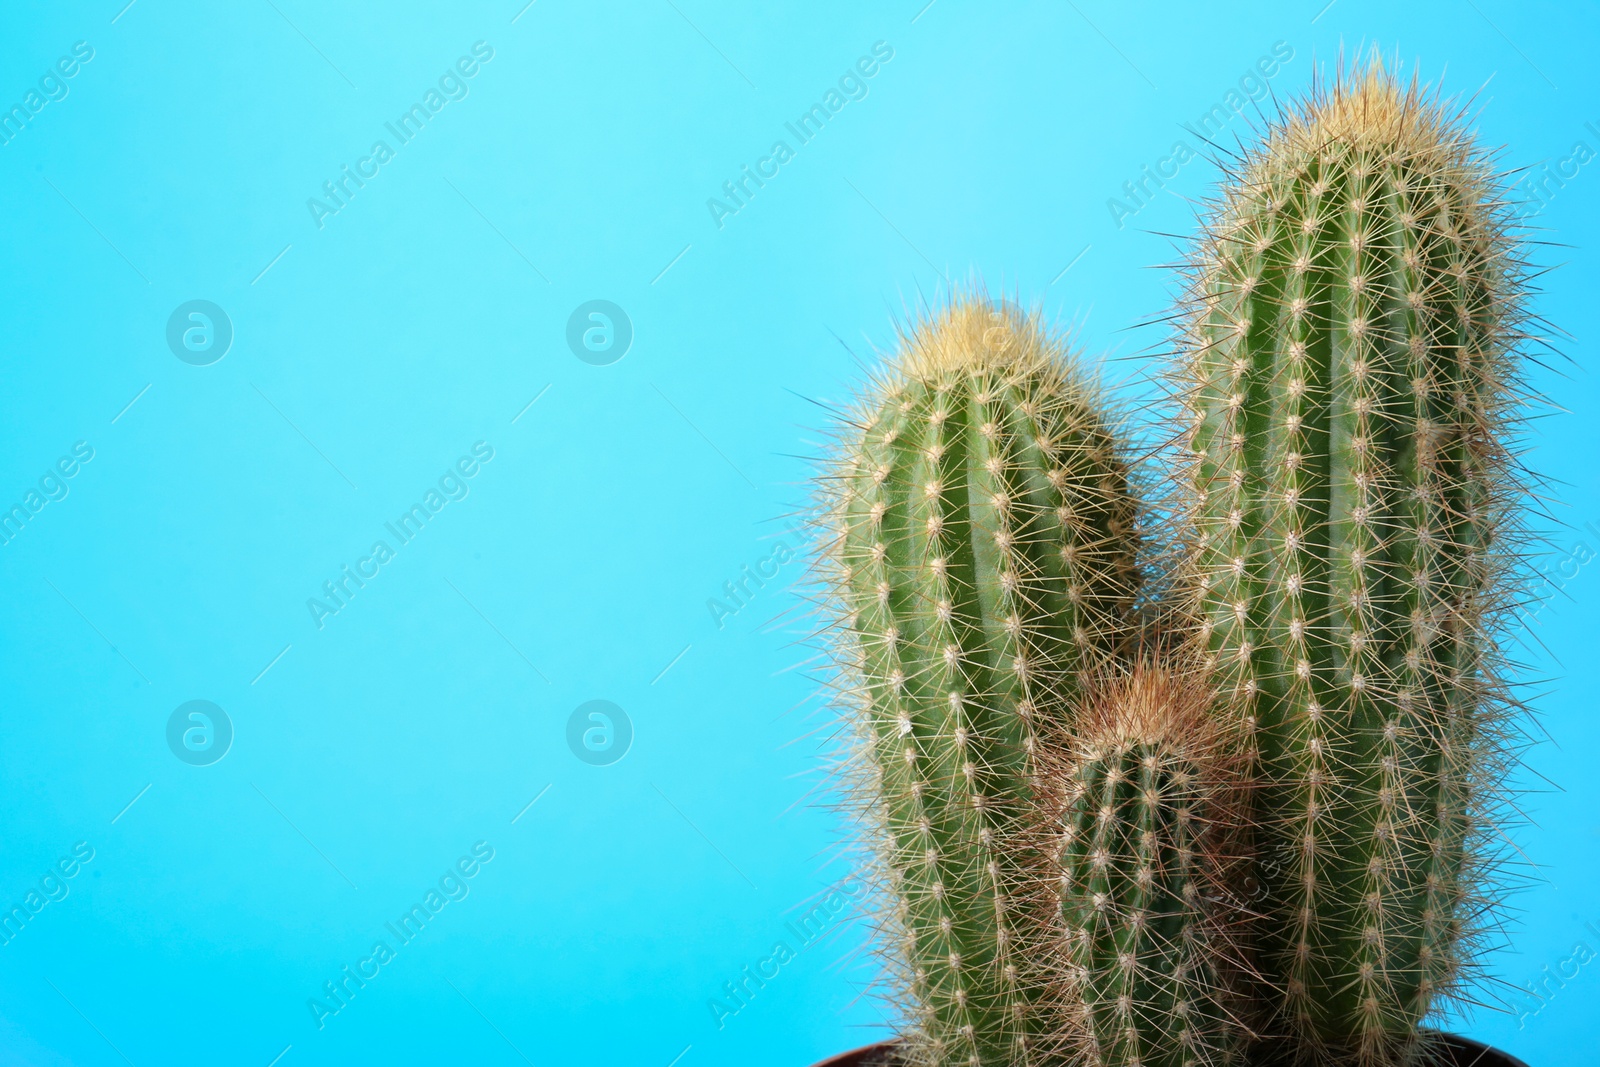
[1146, 838]
[1353, 382]
[983, 557]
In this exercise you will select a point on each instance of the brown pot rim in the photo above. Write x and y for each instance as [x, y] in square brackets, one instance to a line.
[1468, 1053]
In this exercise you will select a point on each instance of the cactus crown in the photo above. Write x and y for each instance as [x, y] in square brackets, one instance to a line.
[1157, 705]
[1366, 110]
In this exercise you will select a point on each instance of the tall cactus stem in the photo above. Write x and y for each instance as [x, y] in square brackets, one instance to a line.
[981, 557]
[1355, 386]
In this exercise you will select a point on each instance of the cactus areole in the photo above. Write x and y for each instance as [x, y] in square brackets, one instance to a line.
[1352, 380]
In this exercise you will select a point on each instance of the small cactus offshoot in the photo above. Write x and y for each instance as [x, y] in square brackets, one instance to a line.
[1146, 838]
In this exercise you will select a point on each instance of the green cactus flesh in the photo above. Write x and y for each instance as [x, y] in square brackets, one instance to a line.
[1350, 385]
[985, 557]
[1142, 849]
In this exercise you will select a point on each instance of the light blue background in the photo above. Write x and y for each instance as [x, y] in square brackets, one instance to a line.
[429, 712]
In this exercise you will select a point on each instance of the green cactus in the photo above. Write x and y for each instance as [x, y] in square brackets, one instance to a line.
[983, 557]
[1146, 843]
[1354, 381]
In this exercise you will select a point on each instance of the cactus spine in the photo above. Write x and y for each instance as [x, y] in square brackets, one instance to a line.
[983, 557]
[1146, 842]
[1353, 382]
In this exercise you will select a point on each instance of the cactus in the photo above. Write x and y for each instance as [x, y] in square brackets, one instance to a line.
[1147, 840]
[982, 557]
[1354, 384]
